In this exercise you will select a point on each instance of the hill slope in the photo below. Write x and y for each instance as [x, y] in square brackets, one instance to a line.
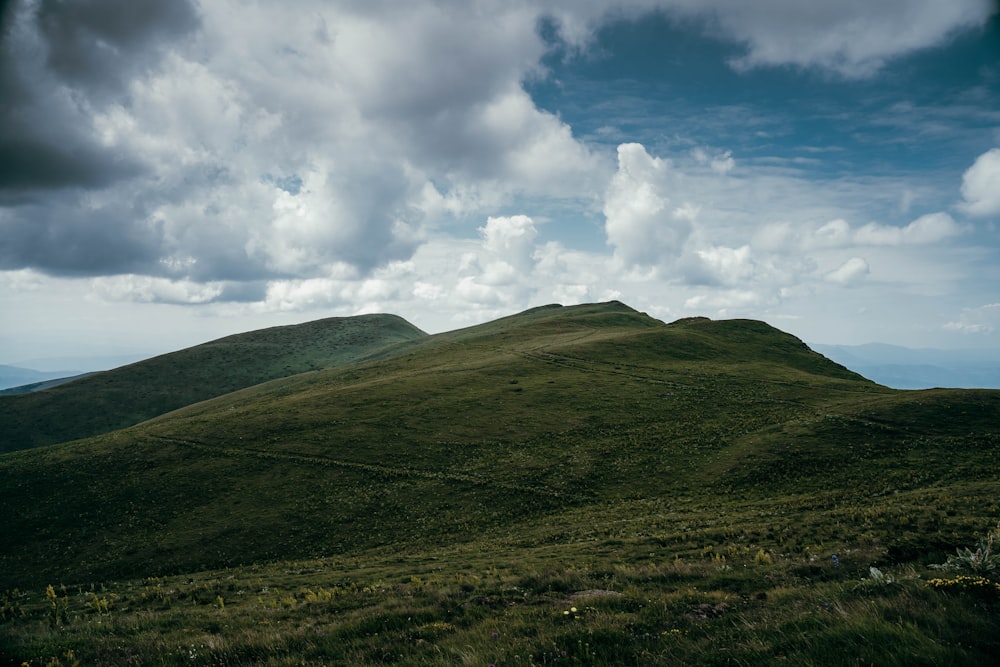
[583, 484]
[103, 402]
[477, 430]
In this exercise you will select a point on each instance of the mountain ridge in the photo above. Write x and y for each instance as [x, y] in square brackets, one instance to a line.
[107, 400]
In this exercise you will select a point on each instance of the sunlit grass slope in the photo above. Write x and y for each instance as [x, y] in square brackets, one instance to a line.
[103, 402]
[449, 500]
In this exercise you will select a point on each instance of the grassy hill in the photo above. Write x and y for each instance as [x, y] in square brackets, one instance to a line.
[582, 484]
[103, 402]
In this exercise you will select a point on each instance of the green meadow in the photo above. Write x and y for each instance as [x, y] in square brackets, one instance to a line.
[570, 485]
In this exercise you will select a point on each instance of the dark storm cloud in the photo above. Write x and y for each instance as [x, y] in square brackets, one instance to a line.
[31, 160]
[58, 64]
[74, 239]
[97, 44]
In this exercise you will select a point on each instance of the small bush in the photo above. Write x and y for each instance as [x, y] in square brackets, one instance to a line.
[981, 561]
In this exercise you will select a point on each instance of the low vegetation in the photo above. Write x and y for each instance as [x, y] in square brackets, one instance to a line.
[102, 402]
[577, 485]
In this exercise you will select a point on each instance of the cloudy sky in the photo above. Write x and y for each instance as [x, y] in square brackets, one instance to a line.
[172, 171]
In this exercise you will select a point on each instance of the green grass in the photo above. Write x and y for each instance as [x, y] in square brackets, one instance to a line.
[103, 402]
[596, 601]
[683, 486]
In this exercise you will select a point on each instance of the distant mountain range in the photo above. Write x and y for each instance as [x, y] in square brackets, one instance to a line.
[908, 368]
[27, 374]
[15, 376]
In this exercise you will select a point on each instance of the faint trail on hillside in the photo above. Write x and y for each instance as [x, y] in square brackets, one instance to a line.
[388, 471]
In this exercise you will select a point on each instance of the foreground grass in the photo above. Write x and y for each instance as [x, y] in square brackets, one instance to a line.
[703, 593]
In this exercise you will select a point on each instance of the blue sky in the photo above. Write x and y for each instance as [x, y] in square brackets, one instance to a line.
[171, 172]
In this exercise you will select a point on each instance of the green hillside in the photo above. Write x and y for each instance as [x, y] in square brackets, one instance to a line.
[107, 401]
[682, 487]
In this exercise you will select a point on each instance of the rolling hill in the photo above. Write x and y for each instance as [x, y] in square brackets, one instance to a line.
[520, 462]
[484, 427]
[102, 402]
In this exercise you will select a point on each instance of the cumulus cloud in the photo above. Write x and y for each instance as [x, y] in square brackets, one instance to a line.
[641, 224]
[981, 185]
[721, 164]
[70, 235]
[223, 149]
[725, 301]
[99, 44]
[194, 153]
[838, 233]
[48, 51]
[511, 239]
[720, 265]
[926, 229]
[853, 38]
[155, 290]
[834, 233]
[851, 273]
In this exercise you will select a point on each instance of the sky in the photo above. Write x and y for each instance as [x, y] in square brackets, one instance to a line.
[173, 171]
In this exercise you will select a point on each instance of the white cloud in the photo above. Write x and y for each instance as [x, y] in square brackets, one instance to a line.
[428, 291]
[981, 320]
[719, 265]
[851, 273]
[834, 233]
[926, 229]
[854, 38]
[510, 238]
[723, 302]
[477, 294]
[981, 185]
[342, 137]
[390, 117]
[639, 222]
[24, 280]
[145, 289]
[724, 163]
[721, 164]
[284, 295]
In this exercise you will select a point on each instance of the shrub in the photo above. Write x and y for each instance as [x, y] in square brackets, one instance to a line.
[58, 607]
[981, 561]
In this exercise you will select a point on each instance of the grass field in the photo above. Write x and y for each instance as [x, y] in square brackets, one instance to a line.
[580, 485]
[102, 402]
